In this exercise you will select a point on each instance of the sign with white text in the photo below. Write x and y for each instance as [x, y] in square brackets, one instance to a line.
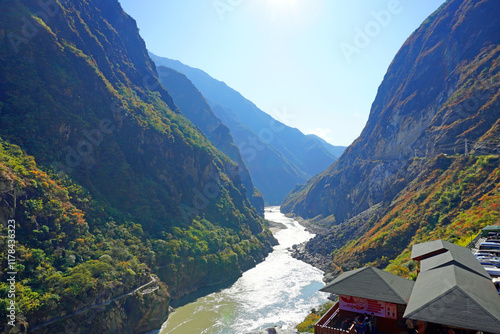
[362, 305]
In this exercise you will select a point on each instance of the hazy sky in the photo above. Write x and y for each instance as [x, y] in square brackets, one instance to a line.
[318, 62]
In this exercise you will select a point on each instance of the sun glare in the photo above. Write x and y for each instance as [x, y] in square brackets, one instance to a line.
[283, 3]
[283, 9]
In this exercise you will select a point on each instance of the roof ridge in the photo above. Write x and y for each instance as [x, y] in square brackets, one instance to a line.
[387, 284]
[432, 301]
[478, 304]
[449, 291]
[460, 265]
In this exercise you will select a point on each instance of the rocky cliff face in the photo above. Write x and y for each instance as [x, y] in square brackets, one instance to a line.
[130, 314]
[439, 91]
[278, 157]
[440, 96]
[117, 183]
[194, 106]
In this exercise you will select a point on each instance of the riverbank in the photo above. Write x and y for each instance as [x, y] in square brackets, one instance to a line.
[315, 251]
[272, 297]
[275, 227]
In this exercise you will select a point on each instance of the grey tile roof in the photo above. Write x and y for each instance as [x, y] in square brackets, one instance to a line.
[372, 283]
[454, 296]
[455, 255]
[453, 289]
[429, 248]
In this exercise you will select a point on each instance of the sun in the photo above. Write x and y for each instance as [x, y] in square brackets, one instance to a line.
[290, 14]
[282, 7]
[284, 3]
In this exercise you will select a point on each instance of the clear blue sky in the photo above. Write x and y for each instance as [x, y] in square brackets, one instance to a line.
[319, 62]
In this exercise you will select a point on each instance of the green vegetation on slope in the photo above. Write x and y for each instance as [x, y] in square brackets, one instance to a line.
[60, 257]
[452, 199]
[70, 247]
[123, 185]
[307, 326]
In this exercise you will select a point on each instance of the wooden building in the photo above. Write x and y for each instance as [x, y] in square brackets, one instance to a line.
[452, 294]
[453, 291]
[368, 290]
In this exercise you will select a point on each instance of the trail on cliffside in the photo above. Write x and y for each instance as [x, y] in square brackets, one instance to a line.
[153, 280]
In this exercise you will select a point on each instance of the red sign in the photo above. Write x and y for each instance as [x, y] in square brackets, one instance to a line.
[391, 311]
[362, 305]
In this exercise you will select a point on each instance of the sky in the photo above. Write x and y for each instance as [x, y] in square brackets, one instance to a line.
[313, 64]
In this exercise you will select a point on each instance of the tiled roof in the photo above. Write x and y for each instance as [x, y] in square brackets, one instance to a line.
[430, 248]
[453, 289]
[372, 283]
[455, 255]
[454, 296]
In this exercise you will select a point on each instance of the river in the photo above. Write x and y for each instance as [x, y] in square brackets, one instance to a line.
[277, 292]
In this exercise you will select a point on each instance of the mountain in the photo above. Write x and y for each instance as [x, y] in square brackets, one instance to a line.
[195, 108]
[108, 186]
[278, 157]
[336, 151]
[420, 169]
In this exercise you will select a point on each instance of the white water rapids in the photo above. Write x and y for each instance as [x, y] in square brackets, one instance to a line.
[278, 292]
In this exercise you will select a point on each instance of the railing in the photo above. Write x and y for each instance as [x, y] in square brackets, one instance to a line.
[323, 325]
[474, 243]
[327, 330]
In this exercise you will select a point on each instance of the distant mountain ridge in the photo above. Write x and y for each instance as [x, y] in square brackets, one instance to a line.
[195, 108]
[277, 156]
[410, 175]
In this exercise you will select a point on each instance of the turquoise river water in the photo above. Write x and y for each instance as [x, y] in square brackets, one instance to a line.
[278, 292]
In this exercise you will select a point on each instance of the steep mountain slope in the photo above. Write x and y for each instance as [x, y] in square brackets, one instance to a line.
[80, 94]
[194, 106]
[439, 96]
[70, 255]
[278, 157]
